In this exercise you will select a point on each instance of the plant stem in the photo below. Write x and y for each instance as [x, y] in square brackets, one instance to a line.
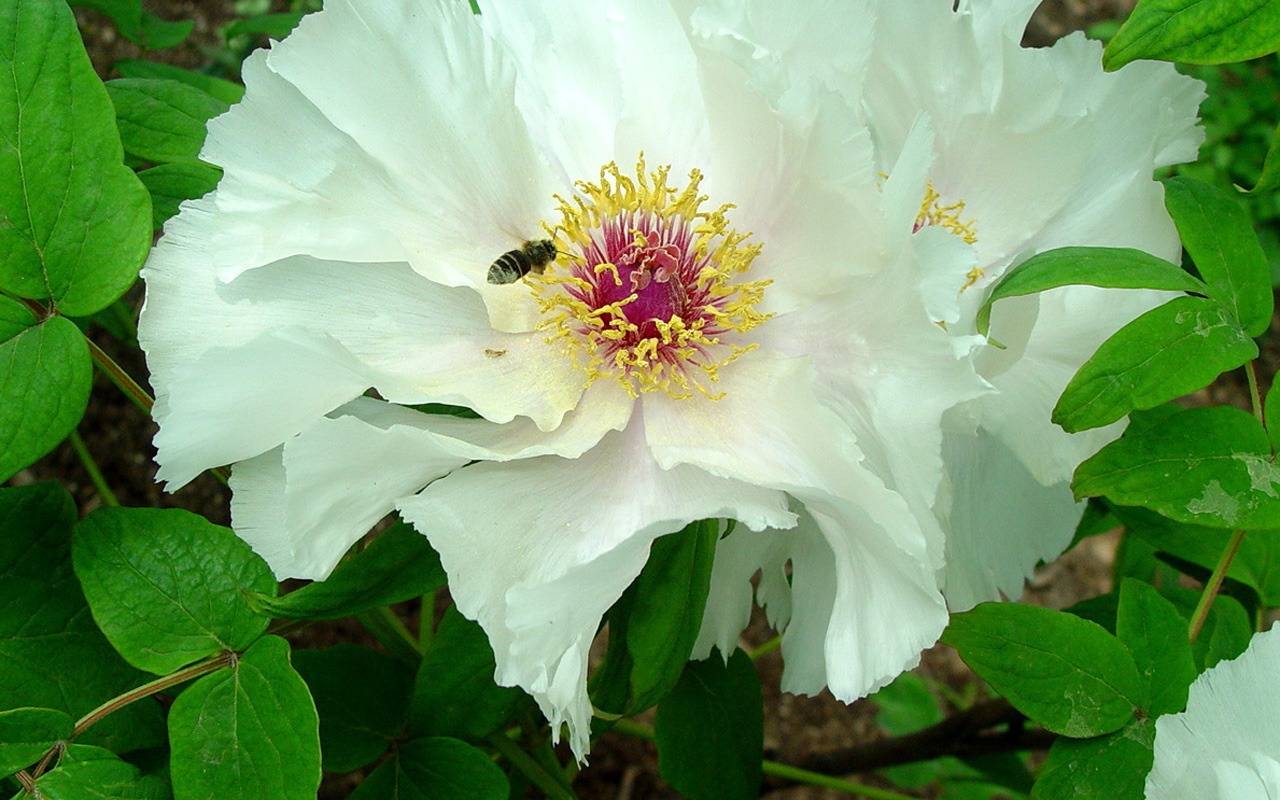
[28, 783]
[136, 393]
[124, 315]
[183, 675]
[289, 626]
[798, 775]
[764, 649]
[1215, 583]
[426, 621]
[91, 467]
[1254, 398]
[387, 628]
[551, 785]
[120, 378]
[145, 690]
[784, 771]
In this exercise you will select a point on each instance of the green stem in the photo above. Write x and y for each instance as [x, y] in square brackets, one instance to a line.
[124, 315]
[552, 785]
[125, 383]
[779, 770]
[387, 628]
[426, 621]
[107, 365]
[28, 783]
[91, 467]
[289, 627]
[545, 755]
[213, 664]
[1255, 399]
[767, 647]
[1215, 583]
[828, 782]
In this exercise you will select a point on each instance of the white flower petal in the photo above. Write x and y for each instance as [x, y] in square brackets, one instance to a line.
[380, 179]
[412, 339]
[802, 180]
[232, 404]
[739, 556]
[604, 407]
[784, 46]
[854, 610]
[428, 97]
[874, 347]
[861, 608]
[603, 82]
[905, 186]
[1071, 323]
[768, 408]
[540, 569]
[1000, 521]
[302, 505]
[864, 562]
[1230, 719]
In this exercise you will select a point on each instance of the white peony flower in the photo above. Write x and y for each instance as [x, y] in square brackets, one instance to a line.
[1226, 745]
[719, 250]
[1034, 149]
[999, 152]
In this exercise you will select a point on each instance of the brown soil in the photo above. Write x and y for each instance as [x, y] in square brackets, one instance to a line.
[118, 435]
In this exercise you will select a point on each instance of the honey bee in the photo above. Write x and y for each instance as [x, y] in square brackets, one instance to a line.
[532, 256]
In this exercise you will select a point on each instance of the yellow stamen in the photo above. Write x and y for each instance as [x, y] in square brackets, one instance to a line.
[686, 353]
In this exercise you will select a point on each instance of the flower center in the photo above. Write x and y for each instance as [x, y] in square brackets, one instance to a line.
[646, 289]
[949, 217]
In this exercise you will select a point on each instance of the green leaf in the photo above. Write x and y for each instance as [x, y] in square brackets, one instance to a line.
[1136, 558]
[1226, 633]
[1269, 179]
[1062, 671]
[26, 734]
[1217, 232]
[906, 705]
[51, 655]
[654, 625]
[1156, 634]
[162, 120]
[455, 694]
[1100, 610]
[434, 769]
[74, 221]
[1113, 766]
[45, 376]
[91, 773]
[247, 733]
[710, 730]
[1167, 352]
[226, 91]
[666, 615]
[1271, 415]
[1209, 466]
[277, 26]
[138, 26]
[1096, 520]
[14, 318]
[165, 585]
[1256, 563]
[362, 698]
[1107, 267]
[1196, 32]
[170, 184]
[398, 566]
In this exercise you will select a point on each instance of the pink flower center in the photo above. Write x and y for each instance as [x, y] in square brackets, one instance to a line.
[646, 293]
